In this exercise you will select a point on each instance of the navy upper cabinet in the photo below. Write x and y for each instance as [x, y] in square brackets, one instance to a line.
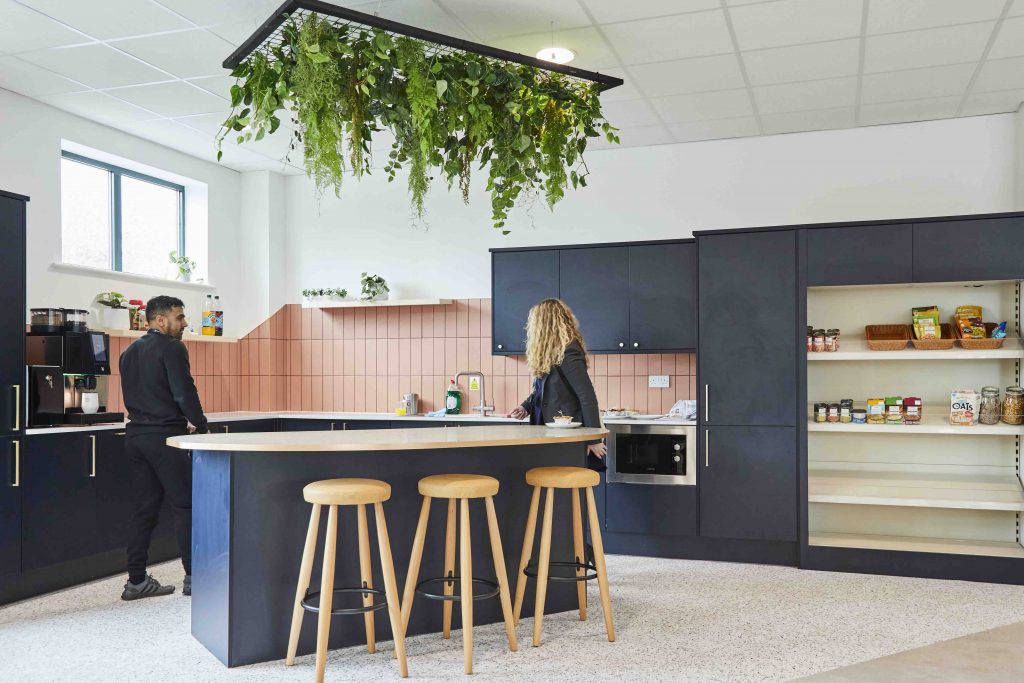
[747, 312]
[663, 297]
[12, 315]
[860, 255]
[971, 249]
[594, 282]
[519, 279]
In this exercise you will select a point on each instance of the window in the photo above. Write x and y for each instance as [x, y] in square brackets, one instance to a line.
[118, 219]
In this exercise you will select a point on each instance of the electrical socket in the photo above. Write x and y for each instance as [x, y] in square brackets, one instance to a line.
[657, 381]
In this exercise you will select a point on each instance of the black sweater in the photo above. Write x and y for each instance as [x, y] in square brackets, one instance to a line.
[157, 385]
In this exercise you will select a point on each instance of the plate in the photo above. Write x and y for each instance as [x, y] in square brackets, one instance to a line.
[564, 425]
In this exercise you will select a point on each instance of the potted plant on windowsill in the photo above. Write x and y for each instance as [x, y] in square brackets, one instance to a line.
[374, 288]
[324, 295]
[185, 265]
[114, 312]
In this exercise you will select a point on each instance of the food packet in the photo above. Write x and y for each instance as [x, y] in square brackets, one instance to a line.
[1000, 331]
[926, 322]
[970, 322]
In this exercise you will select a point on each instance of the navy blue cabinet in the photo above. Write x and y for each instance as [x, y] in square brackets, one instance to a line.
[595, 284]
[651, 509]
[313, 425]
[860, 255]
[970, 249]
[115, 501]
[10, 506]
[748, 483]
[662, 297]
[519, 280]
[244, 426]
[12, 315]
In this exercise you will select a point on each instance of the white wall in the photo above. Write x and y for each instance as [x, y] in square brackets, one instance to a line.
[30, 149]
[932, 168]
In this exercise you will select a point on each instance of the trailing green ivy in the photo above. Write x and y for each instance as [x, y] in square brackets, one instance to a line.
[447, 111]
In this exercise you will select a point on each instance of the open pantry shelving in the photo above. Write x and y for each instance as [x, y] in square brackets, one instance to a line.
[930, 487]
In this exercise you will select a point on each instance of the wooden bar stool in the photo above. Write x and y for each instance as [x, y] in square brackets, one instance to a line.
[461, 488]
[335, 492]
[573, 478]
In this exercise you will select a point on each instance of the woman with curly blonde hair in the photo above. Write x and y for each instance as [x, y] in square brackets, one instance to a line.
[557, 360]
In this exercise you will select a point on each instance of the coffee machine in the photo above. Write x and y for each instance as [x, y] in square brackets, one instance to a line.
[68, 367]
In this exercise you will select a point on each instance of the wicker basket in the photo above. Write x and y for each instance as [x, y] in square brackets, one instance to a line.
[887, 337]
[987, 344]
[945, 342]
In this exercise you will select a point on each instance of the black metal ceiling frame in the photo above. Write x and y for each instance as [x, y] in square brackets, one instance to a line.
[270, 29]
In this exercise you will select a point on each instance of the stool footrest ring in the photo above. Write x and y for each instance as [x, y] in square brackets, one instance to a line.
[454, 581]
[315, 609]
[589, 571]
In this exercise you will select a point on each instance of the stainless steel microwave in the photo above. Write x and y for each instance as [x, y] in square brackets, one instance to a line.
[652, 454]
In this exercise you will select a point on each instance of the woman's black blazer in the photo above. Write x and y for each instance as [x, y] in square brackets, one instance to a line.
[568, 389]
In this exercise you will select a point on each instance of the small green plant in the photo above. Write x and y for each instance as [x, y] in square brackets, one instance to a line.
[313, 293]
[185, 265]
[373, 287]
[112, 299]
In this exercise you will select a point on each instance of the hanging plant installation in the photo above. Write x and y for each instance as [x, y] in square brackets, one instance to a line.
[343, 77]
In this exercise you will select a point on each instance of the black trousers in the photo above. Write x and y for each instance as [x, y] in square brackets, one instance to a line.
[158, 471]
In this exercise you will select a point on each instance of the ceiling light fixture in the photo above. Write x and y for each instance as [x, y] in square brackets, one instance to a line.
[556, 55]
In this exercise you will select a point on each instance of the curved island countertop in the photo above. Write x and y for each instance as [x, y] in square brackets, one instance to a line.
[432, 438]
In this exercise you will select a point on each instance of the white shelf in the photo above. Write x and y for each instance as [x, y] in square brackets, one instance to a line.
[857, 349]
[916, 544]
[935, 420]
[185, 337]
[386, 302]
[916, 489]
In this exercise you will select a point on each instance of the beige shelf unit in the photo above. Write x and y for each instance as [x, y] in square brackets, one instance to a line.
[931, 487]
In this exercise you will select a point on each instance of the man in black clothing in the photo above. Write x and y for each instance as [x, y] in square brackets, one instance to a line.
[162, 402]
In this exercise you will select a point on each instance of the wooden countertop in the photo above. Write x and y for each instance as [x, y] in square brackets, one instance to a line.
[430, 438]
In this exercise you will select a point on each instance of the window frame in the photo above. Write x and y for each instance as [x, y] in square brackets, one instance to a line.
[117, 172]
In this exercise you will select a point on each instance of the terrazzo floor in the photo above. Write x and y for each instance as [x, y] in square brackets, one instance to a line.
[677, 620]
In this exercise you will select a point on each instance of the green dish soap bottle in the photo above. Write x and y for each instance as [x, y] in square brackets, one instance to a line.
[453, 399]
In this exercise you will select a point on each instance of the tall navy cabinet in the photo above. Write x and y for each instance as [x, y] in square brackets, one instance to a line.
[12, 371]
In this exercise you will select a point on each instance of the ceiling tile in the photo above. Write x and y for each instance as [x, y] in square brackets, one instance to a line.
[936, 81]
[659, 40]
[636, 136]
[740, 127]
[176, 136]
[490, 20]
[629, 113]
[98, 106]
[218, 85]
[185, 54]
[591, 50]
[608, 11]
[30, 80]
[828, 94]
[885, 16]
[206, 13]
[236, 34]
[173, 99]
[208, 124]
[929, 47]
[721, 72]
[1016, 9]
[95, 65]
[796, 121]
[704, 106]
[110, 18]
[32, 31]
[911, 110]
[1010, 41]
[789, 22]
[426, 14]
[626, 91]
[803, 62]
[1000, 74]
[993, 102]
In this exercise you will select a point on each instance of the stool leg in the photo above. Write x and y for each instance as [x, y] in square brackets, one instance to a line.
[531, 530]
[414, 563]
[323, 625]
[387, 566]
[577, 545]
[466, 574]
[449, 567]
[542, 566]
[602, 572]
[305, 571]
[499, 569]
[366, 576]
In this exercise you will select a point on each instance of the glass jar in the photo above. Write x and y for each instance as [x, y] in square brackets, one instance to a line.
[819, 340]
[859, 415]
[820, 412]
[810, 339]
[1013, 406]
[833, 412]
[846, 410]
[989, 408]
[830, 340]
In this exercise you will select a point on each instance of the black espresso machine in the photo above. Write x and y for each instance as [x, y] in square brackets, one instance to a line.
[68, 365]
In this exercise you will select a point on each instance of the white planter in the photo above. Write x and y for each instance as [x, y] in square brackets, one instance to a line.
[322, 300]
[379, 297]
[116, 318]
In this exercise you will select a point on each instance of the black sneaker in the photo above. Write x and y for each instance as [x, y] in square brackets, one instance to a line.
[150, 588]
[186, 585]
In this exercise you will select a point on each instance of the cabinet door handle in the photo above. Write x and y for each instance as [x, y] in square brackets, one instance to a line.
[707, 441]
[17, 464]
[17, 407]
[332, 426]
[636, 345]
[227, 429]
[500, 347]
[92, 437]
[707, 393]
[119, 433]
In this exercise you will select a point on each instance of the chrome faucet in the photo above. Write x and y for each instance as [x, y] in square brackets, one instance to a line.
[483, 407]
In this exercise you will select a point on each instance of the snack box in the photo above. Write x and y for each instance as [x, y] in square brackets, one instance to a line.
[963, 407]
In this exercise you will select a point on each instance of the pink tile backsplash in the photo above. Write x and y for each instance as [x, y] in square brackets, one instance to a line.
[364, 359]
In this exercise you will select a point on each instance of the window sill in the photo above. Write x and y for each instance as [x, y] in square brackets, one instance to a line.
[129, 277]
